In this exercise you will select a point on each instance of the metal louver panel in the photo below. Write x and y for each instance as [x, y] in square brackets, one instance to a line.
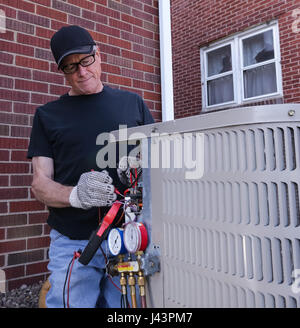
[232, 237]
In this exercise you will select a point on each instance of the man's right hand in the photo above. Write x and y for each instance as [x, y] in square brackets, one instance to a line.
[94, 189]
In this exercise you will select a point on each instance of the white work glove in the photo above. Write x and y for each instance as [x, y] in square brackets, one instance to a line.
[94, 189]
[127, 166]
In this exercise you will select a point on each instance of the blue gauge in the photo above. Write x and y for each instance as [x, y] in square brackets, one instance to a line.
[116, 242]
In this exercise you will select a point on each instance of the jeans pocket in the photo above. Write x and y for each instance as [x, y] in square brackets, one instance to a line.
[55, 235]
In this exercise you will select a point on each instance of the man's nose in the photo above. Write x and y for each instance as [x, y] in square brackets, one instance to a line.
[81, 70]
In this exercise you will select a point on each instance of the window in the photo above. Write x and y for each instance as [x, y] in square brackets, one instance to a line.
[242, 69]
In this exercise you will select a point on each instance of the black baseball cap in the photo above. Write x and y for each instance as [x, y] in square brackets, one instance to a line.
[71, 40]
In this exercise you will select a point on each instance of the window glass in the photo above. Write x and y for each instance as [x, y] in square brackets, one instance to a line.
[258, 48]
[219, 61]
[260, 80]
[220, 90]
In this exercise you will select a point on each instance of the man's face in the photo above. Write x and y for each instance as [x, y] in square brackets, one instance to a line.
[86, 80]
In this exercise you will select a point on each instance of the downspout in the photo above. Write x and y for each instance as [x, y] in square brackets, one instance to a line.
[166, 60]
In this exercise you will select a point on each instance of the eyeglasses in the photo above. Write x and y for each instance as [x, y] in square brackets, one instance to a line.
[84, 62]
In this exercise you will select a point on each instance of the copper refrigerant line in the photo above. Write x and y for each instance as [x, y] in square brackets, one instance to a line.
[131, 275]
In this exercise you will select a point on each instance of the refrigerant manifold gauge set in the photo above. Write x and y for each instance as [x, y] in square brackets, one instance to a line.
[127, 240]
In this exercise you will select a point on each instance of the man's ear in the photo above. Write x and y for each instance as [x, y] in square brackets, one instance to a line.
[98, 54]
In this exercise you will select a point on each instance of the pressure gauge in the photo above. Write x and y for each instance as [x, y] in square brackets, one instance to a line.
[116, 242]
[135, 237]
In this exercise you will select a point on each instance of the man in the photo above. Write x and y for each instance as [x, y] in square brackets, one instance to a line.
[65, 174]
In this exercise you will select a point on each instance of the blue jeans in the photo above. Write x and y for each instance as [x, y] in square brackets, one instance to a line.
[85, 281]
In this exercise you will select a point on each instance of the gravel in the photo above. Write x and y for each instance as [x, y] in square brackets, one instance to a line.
[23, 297]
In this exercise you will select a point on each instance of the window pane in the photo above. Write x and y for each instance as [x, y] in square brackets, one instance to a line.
[220, 90]
[260, 81]
[258, 48]
[219, 61]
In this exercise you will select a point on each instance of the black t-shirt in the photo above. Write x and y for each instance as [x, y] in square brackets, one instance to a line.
[66, 131]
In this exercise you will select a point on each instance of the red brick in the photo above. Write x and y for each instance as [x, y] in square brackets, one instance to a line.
[6, 82]
[37, 98]
[16, 48]
[15, 71]
[24, 257]
[132, 73]
[21, 180]
[20, 155]
[143, 85]
[24, 231]
[119, 43]
[5, 106]
[132, 37]
[107, 30]
[83, 4]
[13, 193]
[108, 49]
[142, 49]
[51, 13]
[15, 272]
[4, 155]
[26, 206]
[142, 32]
[4, 130]
[152, 96]
[14, 168]
[142, 15]
[99, 37]
[12, 246]
[46, 3]
[74, 20]
[120, 25]
[3, 207]
[11, 118]
[31, 86]
[143, 67]
[132, 55]
[14, 95]
[33, 19]
[16, 25]
[118, 7]
[13, 220]
[6, 58]
[33, 41]
[132, 20]
[115, 79]
[38, 217]
[107, 12]
[35, 268]
[2, 234]
[111, 69]
[58, 90]
[48, 77]
[8, 35]
[20, 4]
[103, 19]
[24, 108]
[39, 242]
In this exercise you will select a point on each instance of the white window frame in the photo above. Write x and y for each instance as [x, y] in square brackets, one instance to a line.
[238, 67]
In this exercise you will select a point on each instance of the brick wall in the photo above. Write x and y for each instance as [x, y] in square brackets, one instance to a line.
[196, 23]
[127, 34]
